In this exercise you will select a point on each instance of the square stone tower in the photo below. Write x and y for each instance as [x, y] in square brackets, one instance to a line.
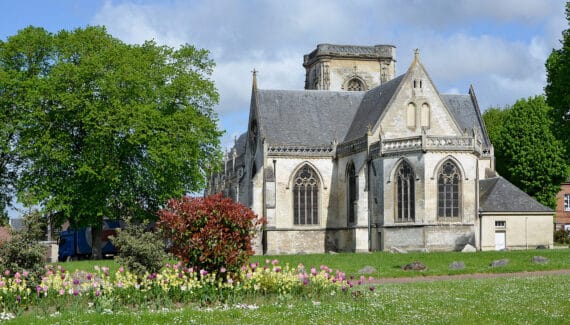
[349, 67]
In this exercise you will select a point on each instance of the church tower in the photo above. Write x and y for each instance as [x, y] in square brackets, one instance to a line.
[349, 67]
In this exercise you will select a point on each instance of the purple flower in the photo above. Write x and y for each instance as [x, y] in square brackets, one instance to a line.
[305, 281]
[313, 271]
[203, 272]
[75, 282]
[75, 292]
[19, 298]
[97, 293]
[343, 288]
[372, 288]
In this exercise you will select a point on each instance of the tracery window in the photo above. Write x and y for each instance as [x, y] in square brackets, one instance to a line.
[306, 197]
[405, 199]
[448, 191]
[351, 181]
[354, 84]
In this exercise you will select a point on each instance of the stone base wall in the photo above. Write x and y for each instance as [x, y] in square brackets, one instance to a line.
[434, 238]
[309, 241]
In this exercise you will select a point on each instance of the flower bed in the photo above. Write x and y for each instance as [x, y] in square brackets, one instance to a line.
[175, 283]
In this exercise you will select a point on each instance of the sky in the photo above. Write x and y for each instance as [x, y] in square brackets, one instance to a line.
[498, 46]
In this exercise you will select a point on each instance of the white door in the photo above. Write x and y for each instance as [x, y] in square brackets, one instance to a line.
[499, 240]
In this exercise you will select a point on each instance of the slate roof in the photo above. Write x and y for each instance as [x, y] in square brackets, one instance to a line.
[499, 195]
[372, 106]
[306, 117]
[466, 113]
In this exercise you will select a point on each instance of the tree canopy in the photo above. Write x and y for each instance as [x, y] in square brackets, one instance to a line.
[557, 88]
[107, 128]
[526, 151]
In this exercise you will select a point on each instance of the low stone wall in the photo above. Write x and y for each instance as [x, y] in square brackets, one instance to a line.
[293, 241]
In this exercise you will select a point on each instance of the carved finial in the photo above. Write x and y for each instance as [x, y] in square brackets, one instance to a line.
[369, 129]
[254, 72]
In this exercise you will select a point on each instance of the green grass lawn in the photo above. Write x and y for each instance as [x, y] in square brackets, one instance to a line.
[539, 300]
[389, 265]
[509, 300]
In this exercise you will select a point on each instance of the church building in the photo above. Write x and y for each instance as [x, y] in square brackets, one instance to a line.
[364, 159]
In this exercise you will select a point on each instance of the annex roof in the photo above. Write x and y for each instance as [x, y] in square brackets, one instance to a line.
[499, 195]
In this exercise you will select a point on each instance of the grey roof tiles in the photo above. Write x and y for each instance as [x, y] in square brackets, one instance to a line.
[499, 195]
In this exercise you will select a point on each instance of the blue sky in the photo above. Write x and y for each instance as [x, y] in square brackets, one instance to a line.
[498, 46]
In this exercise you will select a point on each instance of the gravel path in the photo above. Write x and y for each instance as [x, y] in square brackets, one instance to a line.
[431, 278]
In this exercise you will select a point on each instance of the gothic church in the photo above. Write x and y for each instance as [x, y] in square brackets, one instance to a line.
[365, 160]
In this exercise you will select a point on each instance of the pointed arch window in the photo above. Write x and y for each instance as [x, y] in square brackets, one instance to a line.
[351, 183]
[405, 198]
[306, 197]
[355, 84]
[448, 191]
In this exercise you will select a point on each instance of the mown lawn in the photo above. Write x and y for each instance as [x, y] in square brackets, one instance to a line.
[539, 300]
[509, 300]
[389, 265]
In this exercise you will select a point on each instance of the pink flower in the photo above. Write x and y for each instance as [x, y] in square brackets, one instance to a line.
[223, 270]
[230, 281]
[343, 288]
[248, 275]
[203, 272]
[266, 261]
[17, 275]
[122, 269]
[61, 292]
[25, 273]
[313, 271]
[275, 262]
[97, 293]
[277, 269]
[7, 272]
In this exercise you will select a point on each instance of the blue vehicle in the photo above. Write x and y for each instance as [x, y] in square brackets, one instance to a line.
[76, 244]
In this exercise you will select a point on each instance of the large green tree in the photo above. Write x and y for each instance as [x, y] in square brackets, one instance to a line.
[107, 128]
[526, 151]
[557, 88]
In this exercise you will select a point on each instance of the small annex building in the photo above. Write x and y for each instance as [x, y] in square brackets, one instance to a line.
[363, 159]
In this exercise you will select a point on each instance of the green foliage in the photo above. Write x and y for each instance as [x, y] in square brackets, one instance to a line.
[35, 226]
[526, 151]
[107, 128]
[562, 236]
[22, 253]
[558, 85]
[140, 251]
[209, 233]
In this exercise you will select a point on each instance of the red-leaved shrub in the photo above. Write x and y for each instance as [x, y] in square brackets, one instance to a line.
[210, 233]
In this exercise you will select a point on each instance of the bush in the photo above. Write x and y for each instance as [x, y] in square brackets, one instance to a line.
[562, 236]
[22, 253]
[210, 233]
[139, 251]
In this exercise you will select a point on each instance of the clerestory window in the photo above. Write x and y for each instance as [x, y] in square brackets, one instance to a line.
[306, 197]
